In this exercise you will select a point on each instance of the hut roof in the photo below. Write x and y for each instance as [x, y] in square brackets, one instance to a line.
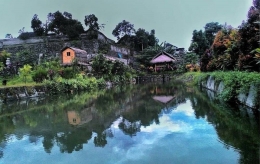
[163, 57]
[163, 99]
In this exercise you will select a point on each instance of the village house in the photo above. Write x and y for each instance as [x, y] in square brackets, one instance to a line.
[163, 61]
[68, 54]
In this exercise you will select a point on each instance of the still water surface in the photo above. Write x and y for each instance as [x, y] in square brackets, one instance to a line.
[141, 124]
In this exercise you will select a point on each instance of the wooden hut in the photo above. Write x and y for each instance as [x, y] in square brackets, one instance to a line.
[70, 53]
[162, 61]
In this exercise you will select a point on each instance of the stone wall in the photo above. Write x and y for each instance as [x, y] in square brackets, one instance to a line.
[51, 46]
[248, 99]
[121, 50]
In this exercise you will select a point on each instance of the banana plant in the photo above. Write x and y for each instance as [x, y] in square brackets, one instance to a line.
[25, 71]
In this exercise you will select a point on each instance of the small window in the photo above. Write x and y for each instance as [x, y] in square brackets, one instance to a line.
[68, 53]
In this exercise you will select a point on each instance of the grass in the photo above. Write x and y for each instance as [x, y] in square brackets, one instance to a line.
[18, 82]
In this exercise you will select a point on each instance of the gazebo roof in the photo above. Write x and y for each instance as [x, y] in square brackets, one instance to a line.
[163, 99]
[163, 57]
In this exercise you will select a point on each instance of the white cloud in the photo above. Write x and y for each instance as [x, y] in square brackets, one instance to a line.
[185, 108]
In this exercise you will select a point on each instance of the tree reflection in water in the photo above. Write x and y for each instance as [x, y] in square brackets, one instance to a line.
[71, 121]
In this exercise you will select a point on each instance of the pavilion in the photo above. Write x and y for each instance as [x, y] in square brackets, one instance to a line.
[163, 61]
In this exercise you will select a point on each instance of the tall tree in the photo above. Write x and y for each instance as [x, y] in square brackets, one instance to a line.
[256, 4]
[63, 24]
[152, 41]
[141, 39]
[37, 25]
[57, 22]
[211, 30]
[199, 42]
[123, 28]
[250, 33]
[91, 21]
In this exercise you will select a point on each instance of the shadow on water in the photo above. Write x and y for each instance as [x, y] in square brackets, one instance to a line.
[69, 121]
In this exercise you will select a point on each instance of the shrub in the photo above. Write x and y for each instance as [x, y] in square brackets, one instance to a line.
[67, 73]
[39, 75]
[26, 35]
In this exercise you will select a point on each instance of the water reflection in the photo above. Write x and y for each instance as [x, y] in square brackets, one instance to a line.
[69, 122]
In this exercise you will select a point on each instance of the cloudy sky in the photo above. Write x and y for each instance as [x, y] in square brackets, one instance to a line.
[179, 137]
[173, 20]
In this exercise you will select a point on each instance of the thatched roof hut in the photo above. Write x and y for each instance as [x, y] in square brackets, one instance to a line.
[163, 57]
[162, 60]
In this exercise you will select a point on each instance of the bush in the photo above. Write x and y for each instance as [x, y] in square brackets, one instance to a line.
[67, 73]
[39, 75]
[59, 84]
[26, 35]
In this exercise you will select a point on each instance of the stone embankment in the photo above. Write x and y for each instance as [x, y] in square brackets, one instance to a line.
[248, 98]
[20, 93]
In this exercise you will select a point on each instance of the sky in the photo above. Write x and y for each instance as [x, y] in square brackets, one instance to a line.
[172, 20]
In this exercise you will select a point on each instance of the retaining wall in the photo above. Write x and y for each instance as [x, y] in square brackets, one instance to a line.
[248, 98]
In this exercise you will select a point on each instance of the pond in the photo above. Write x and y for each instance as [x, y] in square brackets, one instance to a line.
[139, 124]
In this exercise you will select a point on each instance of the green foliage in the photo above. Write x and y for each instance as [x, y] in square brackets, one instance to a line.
[147, 54]
[59, 84]
[114, 71]
[104, 48]
[211, 30]
[3, 56]
[202, 40]
[37, 26]
[199, 42]
[91, 21]
[144, 39]
[25, 71]
[191, 58]
[256, 52]
[25, 57]
[235, 82]
[64, 24]
[39, 75]
[26, 35]
[67, 73]
[101, 65]
[228, 48]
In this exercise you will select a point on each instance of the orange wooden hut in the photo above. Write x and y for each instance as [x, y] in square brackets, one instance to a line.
[70, 53]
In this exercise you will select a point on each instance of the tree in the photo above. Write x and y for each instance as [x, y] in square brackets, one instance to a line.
[141, 39]
[74, 28]
[37, 26]
[152, 41]
[123, 28]
[202, 40]
[199, 42]
[91, 21]
[211, 30]
[256, 4]
[63, 24]
[249, 33]
[57, 22]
